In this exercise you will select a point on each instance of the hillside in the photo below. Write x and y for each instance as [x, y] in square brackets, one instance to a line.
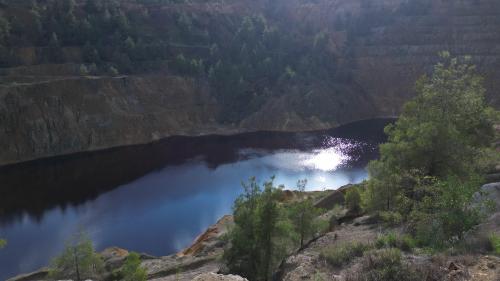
[89, 75]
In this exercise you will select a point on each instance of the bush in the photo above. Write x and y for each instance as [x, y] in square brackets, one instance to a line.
[113, 71]
[391, 218]
[392, 240]
[353, 199]
[343, 254]
[84, 70]
[444, 212]
[132, 270]
[495, 243]
[384, 264]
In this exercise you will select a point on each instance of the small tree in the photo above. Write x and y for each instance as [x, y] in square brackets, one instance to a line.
[262, 234]
[353, 199]
[132, 270]
[78, 261]
[4, 30]
[304, 215]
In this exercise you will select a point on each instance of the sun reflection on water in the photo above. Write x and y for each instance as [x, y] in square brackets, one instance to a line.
[335, 153]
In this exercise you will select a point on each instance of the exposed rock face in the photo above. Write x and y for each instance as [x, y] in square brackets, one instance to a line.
[81, 114]
[210, 239]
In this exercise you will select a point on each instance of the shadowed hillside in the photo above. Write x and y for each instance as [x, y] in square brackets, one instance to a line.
[88, 75]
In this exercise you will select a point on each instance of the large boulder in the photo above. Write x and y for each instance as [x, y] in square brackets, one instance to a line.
[491, 192]
[114, 257]
[336, 197]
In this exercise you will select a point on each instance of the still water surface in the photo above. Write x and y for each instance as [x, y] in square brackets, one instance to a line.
[157, 198]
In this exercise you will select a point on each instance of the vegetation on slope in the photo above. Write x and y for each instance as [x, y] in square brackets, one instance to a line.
[437, 152]
[265, 231]
[246, 59]
[426, 178]
[79, 261]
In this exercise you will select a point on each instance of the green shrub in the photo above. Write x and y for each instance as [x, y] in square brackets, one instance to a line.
[113, 71]
[3, 243]
[495, 243]
[388, 240]
[383, 264]
[353, 199]
[392, 240]
[343, 254]
[391, 218]
[78, 261]
[132, 270]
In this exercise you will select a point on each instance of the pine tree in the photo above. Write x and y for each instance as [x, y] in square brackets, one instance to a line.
[303, 215]
[78, 261]
[262, 235]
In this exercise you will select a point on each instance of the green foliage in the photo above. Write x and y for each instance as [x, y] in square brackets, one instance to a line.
[338, 255]
[392, 240]
[261, 58]
[113, 71]
[353, 199]
[391, 218]
[429, 169]
[3, 243]
[83, 69]
[444, 212]
[442, 131]
[262, 235]
[184, 66]
[78, 261]
[132, 270]
[4, 30]
[384, 264]
[495, 243]
[303, 216]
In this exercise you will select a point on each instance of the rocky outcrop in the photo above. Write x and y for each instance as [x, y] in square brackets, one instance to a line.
[40, 274]
[210, 239]
[200, 261]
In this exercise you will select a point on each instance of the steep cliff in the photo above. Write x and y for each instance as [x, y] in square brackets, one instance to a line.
[81, 114]
[378, 49]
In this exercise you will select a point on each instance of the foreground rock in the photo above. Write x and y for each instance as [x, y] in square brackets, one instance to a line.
[40, 274]
[203, 256]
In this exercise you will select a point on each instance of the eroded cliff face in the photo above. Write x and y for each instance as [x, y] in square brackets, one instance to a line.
[81, 114]
[382, 47]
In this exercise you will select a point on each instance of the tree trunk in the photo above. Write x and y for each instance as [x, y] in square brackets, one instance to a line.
[76, 265]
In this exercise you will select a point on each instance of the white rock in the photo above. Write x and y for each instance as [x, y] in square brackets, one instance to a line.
[218, 277]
